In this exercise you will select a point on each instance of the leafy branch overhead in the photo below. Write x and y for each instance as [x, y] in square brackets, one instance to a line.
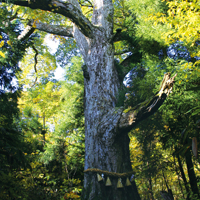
[70, 9]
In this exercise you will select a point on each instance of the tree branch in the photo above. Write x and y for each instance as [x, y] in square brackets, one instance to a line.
[26, 33]
[131, 116]
[117, 53]
[88, 4]
[75, 14]
[66, 9]
[54, 29]
[134, 58]
[35, 65]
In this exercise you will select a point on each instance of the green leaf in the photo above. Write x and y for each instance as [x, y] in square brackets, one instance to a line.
[197, 111]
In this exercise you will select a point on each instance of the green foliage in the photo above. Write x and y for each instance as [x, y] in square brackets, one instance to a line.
[52, 123]
[169, 132]
[12, 145]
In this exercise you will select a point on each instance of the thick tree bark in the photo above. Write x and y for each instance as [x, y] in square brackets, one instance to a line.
[106, 127]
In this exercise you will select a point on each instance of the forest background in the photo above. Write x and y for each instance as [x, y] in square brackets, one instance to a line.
[42, 119]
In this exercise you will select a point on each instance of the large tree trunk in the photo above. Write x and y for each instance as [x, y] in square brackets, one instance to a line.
[106, 147]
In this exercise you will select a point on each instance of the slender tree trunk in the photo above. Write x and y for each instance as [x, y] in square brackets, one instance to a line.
[150, 188]
[167, 195]
[191, 173]
[179, 181]
[183, 176]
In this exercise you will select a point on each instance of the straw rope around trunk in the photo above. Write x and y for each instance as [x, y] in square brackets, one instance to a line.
[112, 174]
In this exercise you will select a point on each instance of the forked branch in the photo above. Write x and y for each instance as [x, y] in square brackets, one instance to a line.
[67, 9]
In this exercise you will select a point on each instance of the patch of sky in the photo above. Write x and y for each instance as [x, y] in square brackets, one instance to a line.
[178, 51]
[129, 77]
[59, 73]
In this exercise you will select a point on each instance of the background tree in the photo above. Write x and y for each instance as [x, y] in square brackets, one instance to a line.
[56, 161]
[11, 143]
